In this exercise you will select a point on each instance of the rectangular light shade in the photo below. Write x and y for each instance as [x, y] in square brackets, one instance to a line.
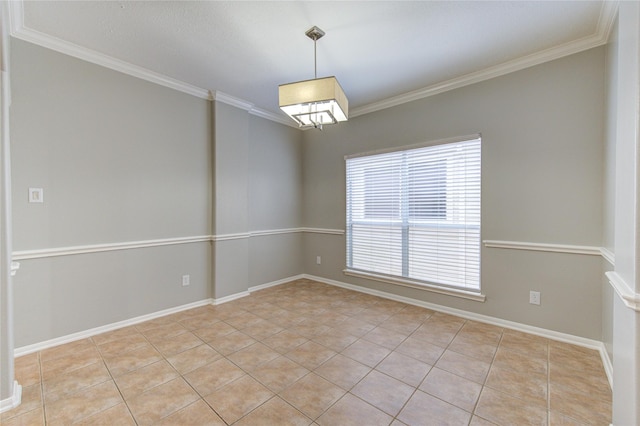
[314, 102]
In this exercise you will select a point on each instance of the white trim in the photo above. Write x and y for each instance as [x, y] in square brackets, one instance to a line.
[229, 298]
[18, 30]
[608, 256]
[275, 232]
[607, 18]
[278, 118]
[97, 248]
[323, 231]
[549, 334]
[231, 100]
[478, 297]
[14, 268]
[600, 37]
[252, 109]
[624, 291]
[24, 350]
[508, 67]
[227, 237]
[14, 400]
[436, 142]
[275, 283]
[606, 363]
[554, 248]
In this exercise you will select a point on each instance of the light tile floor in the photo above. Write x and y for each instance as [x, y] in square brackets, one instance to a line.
[308, 353]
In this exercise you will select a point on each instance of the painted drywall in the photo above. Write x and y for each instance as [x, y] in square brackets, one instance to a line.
[120, 160]
[56, 297]
[542, 131]
[275, 200]
[275, 175]
[257, 187]
[624, 77]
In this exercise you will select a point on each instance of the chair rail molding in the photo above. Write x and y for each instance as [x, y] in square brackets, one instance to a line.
[624, 291]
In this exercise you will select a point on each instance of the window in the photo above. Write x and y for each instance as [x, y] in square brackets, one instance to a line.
[414, 214]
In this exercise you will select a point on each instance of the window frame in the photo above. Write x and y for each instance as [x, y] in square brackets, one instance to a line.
[404, 280]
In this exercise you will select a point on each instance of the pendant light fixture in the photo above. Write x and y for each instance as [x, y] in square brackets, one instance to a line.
[314, 103]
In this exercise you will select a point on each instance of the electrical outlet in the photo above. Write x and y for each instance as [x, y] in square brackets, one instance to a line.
[36, 195]
[186, 280]
[534, 297]
[318, 260]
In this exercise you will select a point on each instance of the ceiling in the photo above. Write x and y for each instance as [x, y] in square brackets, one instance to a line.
[382, 52]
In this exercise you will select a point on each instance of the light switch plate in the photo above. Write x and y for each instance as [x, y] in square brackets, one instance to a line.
[36, 195]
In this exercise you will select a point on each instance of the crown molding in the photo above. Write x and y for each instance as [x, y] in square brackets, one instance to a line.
[278, 118]
[533, 59]
[607, 16]
[225, 98]
[606, 19]
[18, 30]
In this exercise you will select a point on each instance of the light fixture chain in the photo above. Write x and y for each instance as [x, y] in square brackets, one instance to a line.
[315, 59]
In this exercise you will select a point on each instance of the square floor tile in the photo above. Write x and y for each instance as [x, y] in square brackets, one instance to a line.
[279, 373]
[252, 356]
[422, 406]
[82, 404]
[312, 395]
[383, 392]
[214, 375]
[366, 352]
[352, 411]
[343, 371]
[274, 412]
[161, 401]
[501, 408]
[193, 358]
[145, 378]
[463, 366]
[310, 354]
[238, 398]
[404, 368]
[453, 389]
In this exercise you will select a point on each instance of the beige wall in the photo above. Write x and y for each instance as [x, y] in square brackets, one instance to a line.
[120, 160]
[123, 160]
[542, 131]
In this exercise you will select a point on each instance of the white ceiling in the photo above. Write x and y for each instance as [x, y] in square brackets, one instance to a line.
[382, 52]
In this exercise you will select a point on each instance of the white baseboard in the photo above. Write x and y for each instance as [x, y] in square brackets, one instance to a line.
[229, 298]
[24, 350]
[275, 283]
[606, 362]
[14, 400]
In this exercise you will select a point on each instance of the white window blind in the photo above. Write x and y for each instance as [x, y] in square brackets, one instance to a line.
[415, 214]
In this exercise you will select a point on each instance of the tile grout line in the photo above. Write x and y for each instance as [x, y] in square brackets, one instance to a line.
[114, 382]
[44, 406]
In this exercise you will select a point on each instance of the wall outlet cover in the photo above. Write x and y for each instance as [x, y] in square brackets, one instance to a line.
[534, 297]
[36, 195]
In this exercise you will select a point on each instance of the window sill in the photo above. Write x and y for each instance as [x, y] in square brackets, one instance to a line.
[470, 295]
